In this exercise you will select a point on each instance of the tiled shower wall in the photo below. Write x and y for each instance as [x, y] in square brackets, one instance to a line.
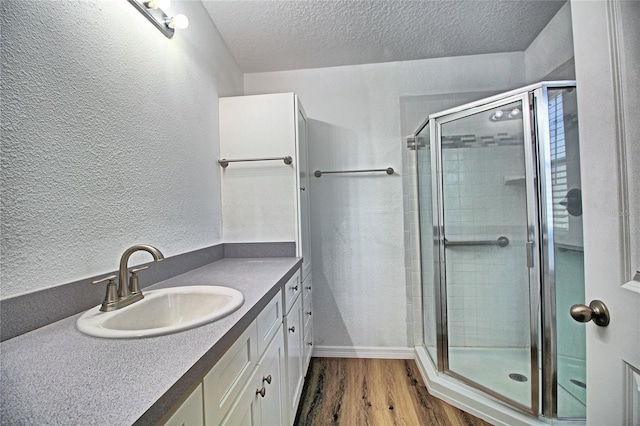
[487, 286]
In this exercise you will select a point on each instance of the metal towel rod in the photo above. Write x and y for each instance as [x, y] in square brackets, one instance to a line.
[224, 162]
[500, 242]
[318, 173]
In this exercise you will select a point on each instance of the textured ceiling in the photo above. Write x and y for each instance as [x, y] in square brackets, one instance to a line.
[272, 35]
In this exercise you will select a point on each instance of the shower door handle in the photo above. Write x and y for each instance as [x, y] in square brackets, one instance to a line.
[529, 249]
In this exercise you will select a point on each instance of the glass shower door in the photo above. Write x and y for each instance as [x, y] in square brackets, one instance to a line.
[486, 228]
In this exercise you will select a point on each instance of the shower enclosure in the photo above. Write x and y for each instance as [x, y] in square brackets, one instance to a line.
[501, 247]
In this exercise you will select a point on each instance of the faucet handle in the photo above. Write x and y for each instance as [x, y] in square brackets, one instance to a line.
[134, 285]
[112, 292]
[110, 278]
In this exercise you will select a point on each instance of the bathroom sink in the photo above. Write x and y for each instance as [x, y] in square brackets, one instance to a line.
[162, 311]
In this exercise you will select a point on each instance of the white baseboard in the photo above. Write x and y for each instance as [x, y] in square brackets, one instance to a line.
[363, 352]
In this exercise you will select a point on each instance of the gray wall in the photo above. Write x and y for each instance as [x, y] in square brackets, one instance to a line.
[109, 137]
[550, 55]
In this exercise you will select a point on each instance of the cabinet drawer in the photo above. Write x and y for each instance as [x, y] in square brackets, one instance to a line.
[224, 381]
[269, 322]
[291, 290]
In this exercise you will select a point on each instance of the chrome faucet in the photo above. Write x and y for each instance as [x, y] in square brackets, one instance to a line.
[127, 291]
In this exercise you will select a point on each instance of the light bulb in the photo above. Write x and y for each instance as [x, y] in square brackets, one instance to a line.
[514, 113]
[179, 21]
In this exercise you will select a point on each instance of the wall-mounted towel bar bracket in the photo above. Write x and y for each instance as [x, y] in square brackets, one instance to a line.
[500, 242]
[318, 173]
[224, 162]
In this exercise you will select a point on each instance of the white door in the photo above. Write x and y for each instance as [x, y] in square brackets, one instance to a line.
[607, 47]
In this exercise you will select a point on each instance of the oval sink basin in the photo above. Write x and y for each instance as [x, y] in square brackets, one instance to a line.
[162, 311]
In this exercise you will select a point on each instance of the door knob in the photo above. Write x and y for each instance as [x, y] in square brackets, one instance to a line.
[596, 311]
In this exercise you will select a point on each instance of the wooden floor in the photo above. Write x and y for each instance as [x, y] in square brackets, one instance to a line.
[372, 392]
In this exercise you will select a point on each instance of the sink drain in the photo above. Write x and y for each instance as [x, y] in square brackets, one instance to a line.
[578, 383]
[518, 377]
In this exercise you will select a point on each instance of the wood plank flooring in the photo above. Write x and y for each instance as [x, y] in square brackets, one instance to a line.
[372, 392]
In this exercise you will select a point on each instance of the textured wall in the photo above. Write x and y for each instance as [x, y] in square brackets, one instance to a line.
[109, 137]
[358, 249]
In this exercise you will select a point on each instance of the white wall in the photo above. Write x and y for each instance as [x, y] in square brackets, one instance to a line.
[358, 248]
[552, 50]
[109, 137]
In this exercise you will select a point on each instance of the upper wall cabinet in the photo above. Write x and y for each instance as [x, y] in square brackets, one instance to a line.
[265, 196]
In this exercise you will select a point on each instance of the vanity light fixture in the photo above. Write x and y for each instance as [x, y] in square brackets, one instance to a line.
[153, 10]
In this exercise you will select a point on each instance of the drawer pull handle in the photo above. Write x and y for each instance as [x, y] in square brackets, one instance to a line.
[295, 288]
[310, 344]
[262, 392]
[308, 287]
[292, 329]
[267, 379]
[309, 313]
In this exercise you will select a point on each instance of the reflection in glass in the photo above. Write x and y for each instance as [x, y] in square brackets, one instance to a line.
[568, 251]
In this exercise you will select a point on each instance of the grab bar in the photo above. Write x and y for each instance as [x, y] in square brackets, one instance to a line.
[500, 242]
[388, 170]
[224, 162]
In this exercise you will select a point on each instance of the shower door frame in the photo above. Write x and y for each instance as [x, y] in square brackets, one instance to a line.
[539, 231]
[530, 160]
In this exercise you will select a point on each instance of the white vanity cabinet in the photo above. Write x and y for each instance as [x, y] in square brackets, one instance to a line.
[268, 201]
[259, 379]
[247, 385]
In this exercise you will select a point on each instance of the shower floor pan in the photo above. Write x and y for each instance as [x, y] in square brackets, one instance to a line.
[491, 368]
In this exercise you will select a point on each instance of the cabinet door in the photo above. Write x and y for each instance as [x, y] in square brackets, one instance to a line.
[308, 346]
[303, 172]
[226, 380]
[294, 357]
[246, 409]
[273, 409]
[191, 412]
